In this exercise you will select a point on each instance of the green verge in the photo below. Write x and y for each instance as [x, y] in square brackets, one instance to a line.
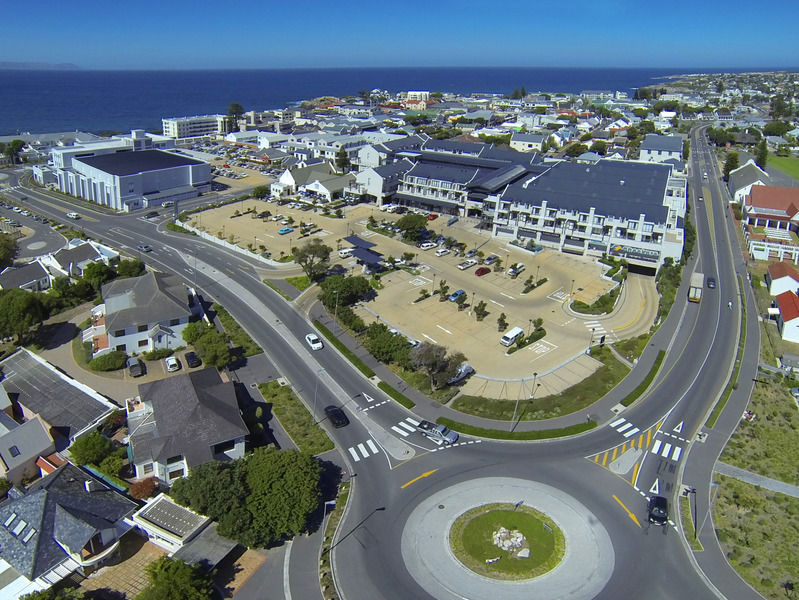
[733, 382]
[636, 393]
[421, 381]
[688, 524]
[399, 397]
[325, 576]
[569, 401]
[757, 530]
[238, 336]
[634, 347]
[178, 229]
[498, 434]
[786, 164]
[285, 296]
[470, 538]
[348, 354]
[295, 418]
[302, 282]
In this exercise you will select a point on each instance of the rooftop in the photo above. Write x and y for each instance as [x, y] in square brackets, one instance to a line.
[130, 163]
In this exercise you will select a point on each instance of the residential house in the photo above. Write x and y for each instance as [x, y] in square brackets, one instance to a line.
[21, 444]
[772, 207]
[72, 260]
[375, 155]
[741, 180]
[32, 277]
[290, 180]
[380, 183]
[66, 522]
[328, 188]
[180, 422]
[168, 524]
[527, 142]
[659, 148]
[781, 277]
[788, 319]
[139, 314]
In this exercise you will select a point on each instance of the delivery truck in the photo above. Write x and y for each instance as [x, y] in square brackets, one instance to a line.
[695, 290]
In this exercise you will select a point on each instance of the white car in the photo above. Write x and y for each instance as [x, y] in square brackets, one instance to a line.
[442, 251]
[172, 364]
[427, 245]
[313, 341]
[467, 264]
[73, 215]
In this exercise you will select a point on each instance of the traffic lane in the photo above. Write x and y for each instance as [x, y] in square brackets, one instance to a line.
[655, 555]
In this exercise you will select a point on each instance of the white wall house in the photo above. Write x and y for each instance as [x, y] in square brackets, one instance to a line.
[788, 319]
[660, 148]
[781, 277]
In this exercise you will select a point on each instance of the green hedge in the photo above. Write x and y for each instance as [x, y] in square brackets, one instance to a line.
[499, 434]
[348, 354]
[399, 397]
[158, 353]
[109, 362]
[636, 393]
[238, 336]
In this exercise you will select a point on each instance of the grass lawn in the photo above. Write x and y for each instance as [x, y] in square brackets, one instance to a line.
[570, 400]
[771, 344]
[786, 164]
[302, 282]
[634, 347]
[81, 351]
[421, 382]
[295, 418]
[278, 290]
[471, 541]
[758, 530]
[238, 336]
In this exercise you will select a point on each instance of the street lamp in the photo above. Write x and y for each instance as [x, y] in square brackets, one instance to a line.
[537, 269]
[571, 293]
[433, 287]
[692, 491]
[335, 312]
[529, 327]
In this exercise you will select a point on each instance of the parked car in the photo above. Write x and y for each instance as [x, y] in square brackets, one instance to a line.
[193, 360]
[172, 364]
[442, 252]
[135, 367]
[490, 260]
[427, 245]
[144, 248]
[313, 341]
[464, 370]
[336, 416]
[471, 253]
[285, 230]
[658, 510]
[467, 264]
[432, 217]
[482, 271]
[455, 295]
[516, 269]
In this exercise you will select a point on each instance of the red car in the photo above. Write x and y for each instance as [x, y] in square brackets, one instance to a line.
[432, 217]
[482, 271]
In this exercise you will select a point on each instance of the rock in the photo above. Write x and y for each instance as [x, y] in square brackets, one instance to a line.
[523, 553]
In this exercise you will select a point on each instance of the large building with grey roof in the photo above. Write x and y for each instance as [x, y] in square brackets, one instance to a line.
[139, 314]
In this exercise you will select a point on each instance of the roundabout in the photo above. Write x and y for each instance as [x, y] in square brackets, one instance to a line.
[577, 566]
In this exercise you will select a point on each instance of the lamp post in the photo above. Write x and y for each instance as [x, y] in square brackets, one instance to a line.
[433, 287]
[571, 293]
[692, 491]
[335, 312]
[529, 327]
[537, 269]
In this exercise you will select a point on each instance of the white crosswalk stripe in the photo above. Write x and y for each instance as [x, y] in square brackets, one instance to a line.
[405, 427]
[360, 451]
[632, 432]
[399, 431]
[624, 427]
[667, 450]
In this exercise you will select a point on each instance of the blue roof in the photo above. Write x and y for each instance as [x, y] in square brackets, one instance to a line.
[367, 256]
[614, 188]
[667, 143]
[358, 242]
[444, 172]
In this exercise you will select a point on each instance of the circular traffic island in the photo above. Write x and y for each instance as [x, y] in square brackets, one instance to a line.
[507, 541]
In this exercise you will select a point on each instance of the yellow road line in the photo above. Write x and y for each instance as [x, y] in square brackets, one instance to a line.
[635, 318]
[648, 437]
[615, 450]
[605, 459]
[627, 510]
[635, 473]
[641, 441]
[596, 458]
[422, 476]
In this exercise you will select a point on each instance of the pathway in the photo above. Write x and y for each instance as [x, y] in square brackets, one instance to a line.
[760, 480]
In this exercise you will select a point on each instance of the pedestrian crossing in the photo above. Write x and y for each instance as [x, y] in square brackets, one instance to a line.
[624, 427]
[667, 450]
[405, 427]
[598, 330]
[364, 450]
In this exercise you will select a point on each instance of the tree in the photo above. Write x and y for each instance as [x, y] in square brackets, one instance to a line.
[461, 302]
[576, 149]
[8, 250]
[173, 579]
[260, 191]
[98, 273]
[502, 323]
[761, 157]
[344, 291]
[195, 330]
[412, 226]
[443, 290]
[632, 132]
[313, 258]
[777, 128]
[12, 150]
[143, 488]
[686, 149]
[432, 358]
[65, 593]
[213, 348]
[19, 312]
[211, 488]
[646, 127]
[342, 160]
[600, 147]
[130, 267]
[91, 448]
[235, 110]
[730, 164]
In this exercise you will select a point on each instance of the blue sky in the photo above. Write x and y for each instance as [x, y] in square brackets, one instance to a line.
[178, 34]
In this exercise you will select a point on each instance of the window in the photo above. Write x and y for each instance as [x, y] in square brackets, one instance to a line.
[14, 451]
[142, 343]
[119, 333]
[174, 459]
[121, 348]
[148, 468]
[141, 328]
[174, 322]
[176, 474]
[225, 447]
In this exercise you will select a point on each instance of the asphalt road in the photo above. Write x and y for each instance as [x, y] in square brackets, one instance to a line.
[389, 481]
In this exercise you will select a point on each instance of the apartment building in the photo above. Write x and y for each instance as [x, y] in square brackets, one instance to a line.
[196, 126]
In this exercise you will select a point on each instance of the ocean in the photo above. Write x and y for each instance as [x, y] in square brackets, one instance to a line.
[98, 101]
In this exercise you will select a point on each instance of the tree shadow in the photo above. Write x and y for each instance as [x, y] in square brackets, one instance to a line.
[105, 594]
[329, 481]
[226, 571]
[52, 335]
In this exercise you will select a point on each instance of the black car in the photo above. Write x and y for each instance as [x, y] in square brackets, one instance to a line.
[135, 367]
[336, 416]
[658, 510]
[151, 215]
[193, 360]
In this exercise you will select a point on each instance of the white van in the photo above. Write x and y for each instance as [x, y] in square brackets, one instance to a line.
[511, 336]
[345, 253]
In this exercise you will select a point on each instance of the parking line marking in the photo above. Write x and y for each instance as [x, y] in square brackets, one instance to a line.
[443, 329]
[631, 432]
[506, 295]
[363, 450]
[498, 304]
[677, 451]
[429, 338]
[372, 446]
[354, 454]
[656, 447]
[399, 431]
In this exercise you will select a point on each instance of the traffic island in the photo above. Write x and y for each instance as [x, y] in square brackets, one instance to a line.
[507, 541]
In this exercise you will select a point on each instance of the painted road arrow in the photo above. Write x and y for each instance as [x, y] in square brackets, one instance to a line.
[422, 476]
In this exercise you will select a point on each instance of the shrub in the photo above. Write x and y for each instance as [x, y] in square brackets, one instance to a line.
[92, 448]
[158, 353]
[108, 362]
[112, 465]
[143, 489]
[5, 485]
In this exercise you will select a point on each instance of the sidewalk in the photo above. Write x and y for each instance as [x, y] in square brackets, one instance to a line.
[759, 480]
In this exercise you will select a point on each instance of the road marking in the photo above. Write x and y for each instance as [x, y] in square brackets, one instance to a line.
[422, 476]
[655, 489]
[375, 405]
[617, 422]
[362, 448]
[406, 426]
[624, 427]
[506, 295]
[632, 432]
[615, 451]
[676, 455]
[666, 450]
[443, 329]
[429, 338]
[656, 447]
[605, 459]
[399, 431]
[635, 473]
[678, 429]
[413, 422]
[368, 398]
[372, 446]
[627, 510]
[497, 303]
[354, 454]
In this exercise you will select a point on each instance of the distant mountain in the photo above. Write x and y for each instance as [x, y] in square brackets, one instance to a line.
[37, 66]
